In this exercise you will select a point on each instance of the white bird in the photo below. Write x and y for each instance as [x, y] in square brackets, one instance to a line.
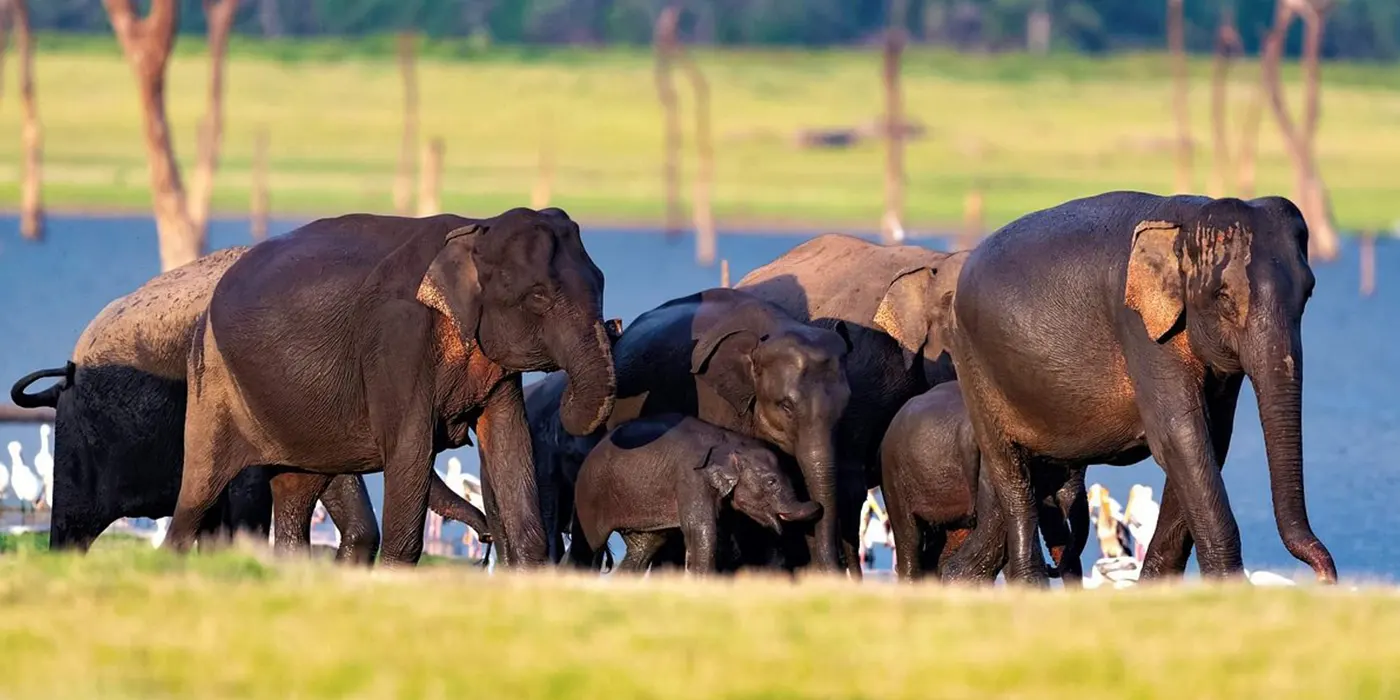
[1268, 578]
[453, 478]
[473, 486]
[1141, 516]
[4, 480]
[23, 480]
[162, 526]
[43, 463]
[1108, 519]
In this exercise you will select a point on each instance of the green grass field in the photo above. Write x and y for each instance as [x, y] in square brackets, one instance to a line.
[128, 621]
[1036, 131]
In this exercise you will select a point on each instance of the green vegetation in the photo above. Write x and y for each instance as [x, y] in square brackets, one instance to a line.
[1035, 131]
[129, 621]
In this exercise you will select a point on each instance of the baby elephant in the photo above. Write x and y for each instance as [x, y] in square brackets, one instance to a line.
[944, 515]
[652, 477]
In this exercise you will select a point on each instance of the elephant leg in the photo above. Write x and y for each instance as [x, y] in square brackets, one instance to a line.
[642, 548]
[908, 540]
[930, 554]
[348, 505]
[981, 554]
[248, 503]
[1170, 548]
[294, 496]
[580, 554]
[1178, 434]
[850, 497]
[1008, 465]
[445, 502]
[507, 456]
[563, 518]
[1074, 507]
[214, 455]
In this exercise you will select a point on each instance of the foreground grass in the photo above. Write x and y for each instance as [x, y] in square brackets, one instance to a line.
[132, 622]
[1035, 131]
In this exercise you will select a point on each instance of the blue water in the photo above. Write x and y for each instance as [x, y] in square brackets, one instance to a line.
[49, 291]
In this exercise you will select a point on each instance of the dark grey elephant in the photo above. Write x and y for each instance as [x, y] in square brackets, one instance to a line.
[1109, 328]
[943, 510]
[119, 429]
[652, 478]
[895, 302]
[367, 342]
[558, 453]
[740, 363]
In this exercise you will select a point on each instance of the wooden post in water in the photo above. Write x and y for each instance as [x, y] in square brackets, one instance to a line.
[408, 148]
[430, 178]
[706, 243]
[31, 217]
[973, 207]
[1227, 46]
[724, 273]
[219, 14]
[891, 225]
[258, 207]
[544, 173]
[664, 40]
[1176, 42]
[1368, 264]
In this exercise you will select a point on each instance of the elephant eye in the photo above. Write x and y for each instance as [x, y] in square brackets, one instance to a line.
[772, 482]
[787, 405]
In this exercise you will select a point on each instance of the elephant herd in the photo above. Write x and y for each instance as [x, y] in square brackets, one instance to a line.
[732, 428]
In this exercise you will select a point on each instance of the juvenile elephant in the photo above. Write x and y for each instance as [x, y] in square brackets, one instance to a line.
[740, 363]
[366, 342]
[119, 429]
[1116, 326]
[652, 478]
[942, 509]
[895, 303]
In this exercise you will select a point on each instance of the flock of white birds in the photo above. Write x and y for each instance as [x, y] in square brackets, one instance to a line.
[32, 486]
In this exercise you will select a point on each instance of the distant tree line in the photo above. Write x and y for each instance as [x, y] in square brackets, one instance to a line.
[1364, 29]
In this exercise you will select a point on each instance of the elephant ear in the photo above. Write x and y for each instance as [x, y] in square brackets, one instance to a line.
[903, 311]
[942, 321]
[729, 373]
[722, 475]
[1154, 288]
[450, 286]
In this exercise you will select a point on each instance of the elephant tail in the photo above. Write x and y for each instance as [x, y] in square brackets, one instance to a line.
[48, 398]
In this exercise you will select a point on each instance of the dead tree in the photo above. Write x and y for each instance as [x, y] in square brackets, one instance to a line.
[258, 209]
[1227, 46]
[1038, 28]
[1176, 43]
[701, 208]
[219, 14]
[430, 178]
[1368, 264]
[891, 225]
[1300, 139]
[664, 43]
[147, 43]
[544, 171]
[31, 203]
[408, 149]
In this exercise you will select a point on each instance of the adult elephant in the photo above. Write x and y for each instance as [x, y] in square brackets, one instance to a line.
[367, 342]
[119, 428]
[740, 363]
[895, 304]
[1111, 327]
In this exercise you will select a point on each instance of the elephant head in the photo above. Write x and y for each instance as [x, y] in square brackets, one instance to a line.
[1224, 282]
[791, 379]
[748, 476]
[917, 312]
[521, 287]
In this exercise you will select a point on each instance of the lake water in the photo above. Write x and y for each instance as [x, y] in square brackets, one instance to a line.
[49, 292]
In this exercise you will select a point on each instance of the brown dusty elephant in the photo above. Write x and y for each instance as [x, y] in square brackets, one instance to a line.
[120, 428]
[1116, 326]
[896, 304]
[366, 342]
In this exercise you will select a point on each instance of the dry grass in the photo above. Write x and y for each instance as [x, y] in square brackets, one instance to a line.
[1036, 131]
[131, 622]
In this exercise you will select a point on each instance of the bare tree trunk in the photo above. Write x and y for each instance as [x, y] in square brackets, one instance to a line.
[259, 206]
[1038, 29]
[430, 178]
[1227, 45]
[1249, 132]
[403, 183]
[891, 226]
[724, 273]
[973, 218]
[706, 243]
[31, 202]
[211, 129]
[1176, 41]
[544, 171]
[664, 40]
[147, 43]
[1309, 189]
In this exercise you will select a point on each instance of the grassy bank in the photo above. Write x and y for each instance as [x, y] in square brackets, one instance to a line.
[1034, 131]
[132, 622]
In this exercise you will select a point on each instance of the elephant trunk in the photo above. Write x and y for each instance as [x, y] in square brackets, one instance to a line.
[1277, 374]
[815, 457]
[592, 386]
